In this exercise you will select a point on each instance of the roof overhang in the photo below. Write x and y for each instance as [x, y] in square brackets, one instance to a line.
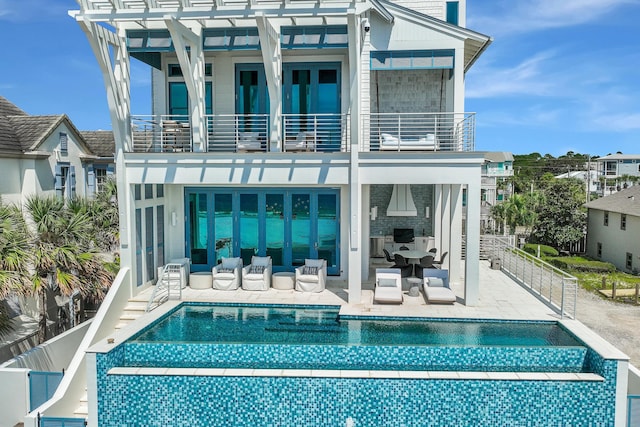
[474, 43]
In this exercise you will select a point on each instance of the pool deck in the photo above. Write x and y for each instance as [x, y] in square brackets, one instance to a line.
[500, 298]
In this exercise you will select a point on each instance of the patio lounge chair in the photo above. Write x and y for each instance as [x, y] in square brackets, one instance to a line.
[436, 286]
[228, 274]
[388, 286]
[312, 276]
[257, 275]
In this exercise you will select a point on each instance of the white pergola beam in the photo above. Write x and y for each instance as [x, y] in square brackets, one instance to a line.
[188, 47]
[272, 59]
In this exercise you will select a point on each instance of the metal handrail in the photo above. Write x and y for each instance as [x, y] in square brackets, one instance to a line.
[316, 132]
[556, 288]
[170, 278]
[161, 133]
[418, 132]
[237, 132]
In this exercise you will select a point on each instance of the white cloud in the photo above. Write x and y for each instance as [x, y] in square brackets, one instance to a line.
[522, 16]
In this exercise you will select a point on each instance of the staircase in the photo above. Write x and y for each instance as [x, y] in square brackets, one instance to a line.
[135, 308]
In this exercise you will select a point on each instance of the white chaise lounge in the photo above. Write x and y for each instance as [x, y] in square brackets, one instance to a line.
[391, 142]
[436, 286]
[388, 286]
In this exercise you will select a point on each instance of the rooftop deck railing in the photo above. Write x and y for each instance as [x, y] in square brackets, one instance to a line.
[419, 132]
[557, 289]
[237, 132]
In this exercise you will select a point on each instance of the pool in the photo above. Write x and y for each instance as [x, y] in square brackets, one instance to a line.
[316, 337]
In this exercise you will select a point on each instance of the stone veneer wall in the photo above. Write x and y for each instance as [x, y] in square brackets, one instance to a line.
[384, 225]
[409, 91]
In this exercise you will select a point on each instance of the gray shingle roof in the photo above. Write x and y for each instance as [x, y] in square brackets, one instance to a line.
[101, 142]
[31, 130]
[626, 202]
[9, 109]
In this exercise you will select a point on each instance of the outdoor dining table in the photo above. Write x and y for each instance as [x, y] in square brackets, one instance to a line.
[412, 255]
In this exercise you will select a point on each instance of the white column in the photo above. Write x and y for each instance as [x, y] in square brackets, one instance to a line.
[445, 222]
[188, 45]
[272, 59]
[355, 194]
[455, 246]
[116, 76]
[472, 264]
[437, 216]
[366, 231]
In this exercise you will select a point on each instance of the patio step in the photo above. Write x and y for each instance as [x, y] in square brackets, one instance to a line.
[83, 408]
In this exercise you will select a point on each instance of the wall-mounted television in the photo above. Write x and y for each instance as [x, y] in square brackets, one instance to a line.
[403, 235]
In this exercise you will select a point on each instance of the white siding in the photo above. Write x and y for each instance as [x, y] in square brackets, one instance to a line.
[615, 242]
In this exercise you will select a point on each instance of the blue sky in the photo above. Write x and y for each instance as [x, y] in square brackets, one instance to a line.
[560, 75]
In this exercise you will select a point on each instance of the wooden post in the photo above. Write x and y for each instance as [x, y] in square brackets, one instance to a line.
[637, 292]
[613, 291]
[604, 282]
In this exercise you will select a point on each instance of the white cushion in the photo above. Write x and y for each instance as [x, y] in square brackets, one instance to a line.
[225, 276]
[387, 283]
[439, 294]
[435, 282]
[248, 136]
[230, 262]
[260, 260]
[254, 276]
[314, 263]
[308, 278]
[389, 139]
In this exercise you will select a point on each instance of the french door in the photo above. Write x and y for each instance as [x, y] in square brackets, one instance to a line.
[288, 225]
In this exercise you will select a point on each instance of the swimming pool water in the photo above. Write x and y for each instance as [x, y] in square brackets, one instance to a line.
[323, 326]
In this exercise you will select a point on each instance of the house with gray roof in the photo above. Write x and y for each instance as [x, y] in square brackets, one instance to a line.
[48, 155]
[613, 229]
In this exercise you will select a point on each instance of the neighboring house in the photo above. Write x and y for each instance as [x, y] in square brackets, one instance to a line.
[613, 229]
[590, 179]
[619, 170]
[47, 155]
[496, 187]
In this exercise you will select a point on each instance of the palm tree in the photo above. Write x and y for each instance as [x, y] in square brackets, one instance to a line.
[14, 258]
[65, 258]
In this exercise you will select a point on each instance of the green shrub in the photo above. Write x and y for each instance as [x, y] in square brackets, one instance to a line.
[545, 251]
[581, 264]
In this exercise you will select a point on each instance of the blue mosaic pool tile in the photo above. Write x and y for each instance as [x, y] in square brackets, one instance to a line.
[497, 359]
[310, 402]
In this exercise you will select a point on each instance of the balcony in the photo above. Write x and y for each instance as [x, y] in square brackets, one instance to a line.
[317, 133]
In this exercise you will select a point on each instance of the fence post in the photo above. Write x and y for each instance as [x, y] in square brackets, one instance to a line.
[604, 282]
[637, 292]
[613, 291]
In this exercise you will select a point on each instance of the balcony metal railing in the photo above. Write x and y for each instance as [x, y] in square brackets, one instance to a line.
[316, 132]
[557, 289]
[161, 134]
[419, 132]
[384, 132]
[238, 132]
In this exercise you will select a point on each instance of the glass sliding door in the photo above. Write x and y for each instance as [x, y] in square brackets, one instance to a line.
[198, 229]
[300, 228]
[327, 229]
[248, 227]
[275, 229]
[223, 227]
[289, 226]
[311, 94]
[148, 243]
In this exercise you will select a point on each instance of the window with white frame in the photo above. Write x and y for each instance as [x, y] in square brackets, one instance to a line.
[65, 180]
[101, 178]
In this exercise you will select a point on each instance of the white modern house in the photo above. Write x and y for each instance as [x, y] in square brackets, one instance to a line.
[48, 155]
[613, 229]
[275, 124]
[301, 130]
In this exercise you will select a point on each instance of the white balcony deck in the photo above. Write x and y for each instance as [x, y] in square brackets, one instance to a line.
[382, 132]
